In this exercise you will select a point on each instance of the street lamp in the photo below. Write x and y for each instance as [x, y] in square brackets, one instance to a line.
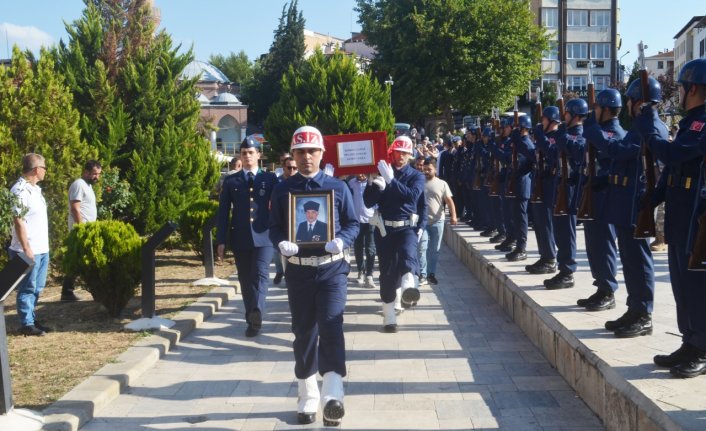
[389, 82]
[620, 67]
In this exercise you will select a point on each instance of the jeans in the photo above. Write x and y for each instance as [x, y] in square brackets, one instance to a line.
[29, 289]
[277, 257]
[364, 247]
[429, 248]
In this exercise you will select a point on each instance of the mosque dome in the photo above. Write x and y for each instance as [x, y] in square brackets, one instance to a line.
[225, 99]
[202, 99]
[205, 72]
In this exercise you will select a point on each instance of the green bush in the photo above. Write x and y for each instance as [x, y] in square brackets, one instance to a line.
[106, 255]
[192, 222]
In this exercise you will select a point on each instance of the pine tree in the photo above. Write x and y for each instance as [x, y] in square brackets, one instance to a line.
[330, 93]
[38, 113]
[287, 49]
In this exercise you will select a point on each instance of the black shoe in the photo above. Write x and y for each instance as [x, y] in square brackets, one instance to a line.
[278, 280]
[506, 245]
[516, 255]
[605, 301]
[490, 232]
[542, 267]
[675, 358]
[250, 331]
[306, 418]
[563, 280]
[42, 327]
[629, 316]
[31, 330]
[255, 319]
[432, 279]
[390, 329]
[693, 365]
[69, 296]
[585, 301]
[497, 239]
[333, 412]
[640, 324]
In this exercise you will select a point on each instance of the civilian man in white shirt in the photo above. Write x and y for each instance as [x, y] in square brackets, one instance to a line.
[82, 209]
[30, 235]
[436, 193]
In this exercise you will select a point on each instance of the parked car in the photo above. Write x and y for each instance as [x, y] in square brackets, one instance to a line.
[402, 129]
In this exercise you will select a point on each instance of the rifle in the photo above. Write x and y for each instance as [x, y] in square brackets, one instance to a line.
[538, 189]
[495, 185]
[585, 211]
[645, 226]
[561, 208]
[510, 187]
[478, 179]
[697, 260]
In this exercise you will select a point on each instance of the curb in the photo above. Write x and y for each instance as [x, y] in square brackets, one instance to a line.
[76, 408]
[619, 404]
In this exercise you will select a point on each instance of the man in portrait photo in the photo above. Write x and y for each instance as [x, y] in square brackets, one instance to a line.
[312, 230]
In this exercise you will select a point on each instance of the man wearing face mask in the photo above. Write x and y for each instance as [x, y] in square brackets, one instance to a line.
[82, 209]
[398, 192]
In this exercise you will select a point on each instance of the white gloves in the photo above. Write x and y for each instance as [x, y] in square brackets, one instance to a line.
[287, 248]
[378, 181]
[334, 246]
[328, 169]
[385, 171]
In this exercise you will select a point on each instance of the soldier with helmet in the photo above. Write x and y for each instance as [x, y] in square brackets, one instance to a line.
[545, 140]
[680, 187]
[601, 250]
[482, 154]
[502, 151]
[622, 204]
[316, 280]
[245, 197]
[397, 192]
[570, 140]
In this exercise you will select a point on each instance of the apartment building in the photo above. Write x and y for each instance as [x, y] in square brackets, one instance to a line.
[582, 32]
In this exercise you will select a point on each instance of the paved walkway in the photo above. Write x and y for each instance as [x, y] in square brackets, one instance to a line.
[457, 363]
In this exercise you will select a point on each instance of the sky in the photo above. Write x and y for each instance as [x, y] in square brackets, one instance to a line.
[223, 26]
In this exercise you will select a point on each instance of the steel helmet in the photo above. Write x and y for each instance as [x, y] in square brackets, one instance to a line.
[307, 137]
[251, 142]
[693, 72]
[551, 113]
[487, 131]
[505, 122]
[609, 98]
[576, 107]
[401, 143]
[525, 122]
[635, 90]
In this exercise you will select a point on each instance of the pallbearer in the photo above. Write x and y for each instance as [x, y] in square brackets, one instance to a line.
[316, 281]
[681, 188]
[397, 193]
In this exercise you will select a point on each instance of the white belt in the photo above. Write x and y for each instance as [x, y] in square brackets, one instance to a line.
[395, 223]
[316, 260]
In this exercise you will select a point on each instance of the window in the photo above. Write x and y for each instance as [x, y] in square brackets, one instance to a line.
[702, 48]
[549, 82]
[576, 18]
[552, 53]
[660, 65]
[550, 17]
[577, 51]
[575, 83]
[600, 50]
[600, 18]
[601, 82]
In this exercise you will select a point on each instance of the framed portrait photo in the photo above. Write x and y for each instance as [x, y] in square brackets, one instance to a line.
[311, 218]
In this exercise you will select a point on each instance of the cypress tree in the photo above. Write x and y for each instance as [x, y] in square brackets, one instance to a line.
[328, 92]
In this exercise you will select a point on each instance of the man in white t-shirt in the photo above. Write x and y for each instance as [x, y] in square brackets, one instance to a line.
[436, 193]
[82, 209]
[30, 235]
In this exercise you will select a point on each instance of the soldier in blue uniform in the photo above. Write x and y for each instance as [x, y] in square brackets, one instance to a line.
[622, 205]
[398, 192]
[456, 183]
[316, 281]
[482, 155]
[601, 249]
[524, 147]
[246, 198]
[569, 140]
[502, 151]
[496, 200]
[680, 189]
[545, 139]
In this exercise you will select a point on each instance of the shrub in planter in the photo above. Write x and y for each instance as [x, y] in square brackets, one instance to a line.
[106, 255]
[192, 222]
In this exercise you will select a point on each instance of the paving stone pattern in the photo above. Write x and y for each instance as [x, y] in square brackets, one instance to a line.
[458, 363]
